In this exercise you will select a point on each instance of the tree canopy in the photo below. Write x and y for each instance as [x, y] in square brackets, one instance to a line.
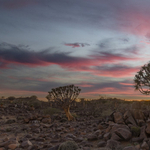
[142, 79]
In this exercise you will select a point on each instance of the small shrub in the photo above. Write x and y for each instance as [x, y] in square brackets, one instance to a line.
[8, 130]
[75, 115]
[104, 101]
[135, 131]
[51, 111]
[10, 121]
[68, 145]
[36, 104]
[34, 97]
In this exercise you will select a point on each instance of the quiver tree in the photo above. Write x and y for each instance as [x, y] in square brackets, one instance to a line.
[142, 80]
[49, 100]
[64, 97]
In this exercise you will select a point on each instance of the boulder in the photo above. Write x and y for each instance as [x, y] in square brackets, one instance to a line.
[26, 144]
[128, 118]
[118, 118]
[143, 134]
[104, 149]
[112, 144]
[101, 144]
[138, 114]
[92, 137]
[46, 120]
[148, 126]
[13, 146]
[107, 136]
[124, 133]
[145, 146]
[115, 137]
[54, 147]
[129, 148]
[117, 126]
[136, 105]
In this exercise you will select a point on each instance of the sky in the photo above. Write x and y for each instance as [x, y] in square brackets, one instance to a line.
[97, 45]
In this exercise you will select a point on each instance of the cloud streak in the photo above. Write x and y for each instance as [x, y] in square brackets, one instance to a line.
[96, 64]
[74, 45]
[115, 71]
[15, 54]
[15, 4]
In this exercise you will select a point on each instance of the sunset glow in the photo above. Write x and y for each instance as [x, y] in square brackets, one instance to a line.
[96, 45]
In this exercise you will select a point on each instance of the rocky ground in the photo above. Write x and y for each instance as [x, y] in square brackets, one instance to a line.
[30, 129]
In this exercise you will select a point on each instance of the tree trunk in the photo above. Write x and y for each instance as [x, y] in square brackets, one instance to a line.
[68, 114]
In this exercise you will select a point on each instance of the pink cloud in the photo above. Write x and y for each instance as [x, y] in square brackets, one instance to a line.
[36, 79]
[85, 85]
[114, 71]
[139, 23]
[124, 72]
[105, 57]
[128, 91]
[73, 45]
[130, 84]
[96, 64]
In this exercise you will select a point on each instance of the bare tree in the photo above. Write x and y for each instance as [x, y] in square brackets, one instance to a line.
[64, 97]
[142, 80]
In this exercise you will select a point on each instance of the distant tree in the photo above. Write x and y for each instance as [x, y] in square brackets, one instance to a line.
[11, 98]
[142, 79]
[83, 102]
[64, 96]
[3, 97]
[33, 97]
[49, 100]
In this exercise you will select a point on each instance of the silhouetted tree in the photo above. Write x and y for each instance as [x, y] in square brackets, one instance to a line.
[142, 80]
[49, 100]
[11, 98]
[64, 96]
[33, 97]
